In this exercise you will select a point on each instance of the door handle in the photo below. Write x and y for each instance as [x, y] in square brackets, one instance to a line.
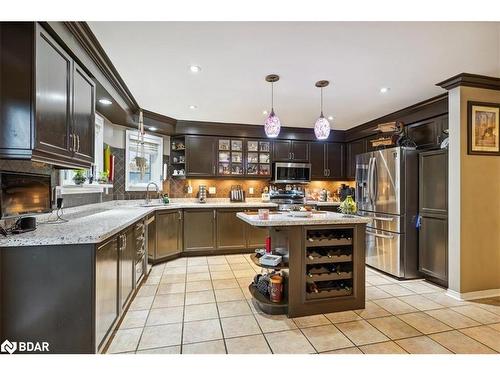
[383, 218]
[386, 236]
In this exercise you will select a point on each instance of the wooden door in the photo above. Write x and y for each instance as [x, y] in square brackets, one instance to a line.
[83, 115]
[168, 229]
[199, 230]
[300, 151]
[354, 148]
[230, 230]
[335, 160]
[282, 150]
[200, 156]
[317, 159]
[433, 248]
[53, 97]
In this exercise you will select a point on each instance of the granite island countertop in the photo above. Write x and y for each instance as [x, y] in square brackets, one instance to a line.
[94, 223]
[285, 219]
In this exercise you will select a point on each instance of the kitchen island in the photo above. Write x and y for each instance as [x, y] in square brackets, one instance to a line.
[323, 265]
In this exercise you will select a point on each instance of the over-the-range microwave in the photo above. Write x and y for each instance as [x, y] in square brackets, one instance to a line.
[291, 173]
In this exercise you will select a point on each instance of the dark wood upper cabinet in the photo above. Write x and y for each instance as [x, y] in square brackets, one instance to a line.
[201, 156]
[354, 148]
[284, 150]
[335, 160]
[52, 97]
[318, 158]
[83, 115]
[429, 133]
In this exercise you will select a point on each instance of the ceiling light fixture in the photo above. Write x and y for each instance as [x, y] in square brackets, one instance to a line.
[153, 128]
[272, 125]
[105, 101]
[384, 90]
[192, 106]
[330, 118]
[194, 68]
[322, 126]
[264, 112]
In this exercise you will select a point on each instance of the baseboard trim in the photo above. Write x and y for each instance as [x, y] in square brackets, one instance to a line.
[488, 293]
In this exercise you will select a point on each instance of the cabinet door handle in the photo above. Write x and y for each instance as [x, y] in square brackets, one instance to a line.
[293, 155]
[78, 143]
[215, 214]
[328, 172]
[213, 169]
[180, 215]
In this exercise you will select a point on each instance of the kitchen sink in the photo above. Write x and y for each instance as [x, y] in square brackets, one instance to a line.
[152, 204]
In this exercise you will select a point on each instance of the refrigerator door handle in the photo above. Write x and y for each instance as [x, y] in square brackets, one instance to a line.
[370, 181]
[375, 181]
[383, 218]
[368, 187]
[387, 236]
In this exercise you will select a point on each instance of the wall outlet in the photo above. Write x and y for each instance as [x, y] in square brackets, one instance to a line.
[190, 189]
[250, 190]
[212, 190]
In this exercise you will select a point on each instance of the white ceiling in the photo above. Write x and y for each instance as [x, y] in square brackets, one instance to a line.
[358, 58]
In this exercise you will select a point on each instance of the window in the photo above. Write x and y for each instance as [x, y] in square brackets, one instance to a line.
[153, 155]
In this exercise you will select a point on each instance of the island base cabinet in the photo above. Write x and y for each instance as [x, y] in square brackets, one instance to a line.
[46, 295]
[230, 230]
[255, 237]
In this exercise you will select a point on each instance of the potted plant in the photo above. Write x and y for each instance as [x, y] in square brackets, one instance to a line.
[79, 177]
[348, 206]
[103, 177]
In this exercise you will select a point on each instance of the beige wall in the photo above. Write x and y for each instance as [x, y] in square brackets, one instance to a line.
[475, 199]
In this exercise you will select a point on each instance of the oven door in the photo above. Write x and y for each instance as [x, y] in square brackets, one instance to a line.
[291, 173]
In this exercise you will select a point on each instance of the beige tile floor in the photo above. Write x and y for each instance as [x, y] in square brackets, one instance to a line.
[202, 305]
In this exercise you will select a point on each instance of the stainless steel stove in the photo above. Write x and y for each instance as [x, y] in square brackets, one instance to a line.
[287, 198]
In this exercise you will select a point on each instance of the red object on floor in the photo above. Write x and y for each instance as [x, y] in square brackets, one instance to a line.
[268, 245]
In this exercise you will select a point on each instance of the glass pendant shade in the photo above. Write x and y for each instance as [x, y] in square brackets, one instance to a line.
[322, 128]
[272, 125]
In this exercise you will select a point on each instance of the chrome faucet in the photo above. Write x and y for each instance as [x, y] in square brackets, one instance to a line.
[148, 200]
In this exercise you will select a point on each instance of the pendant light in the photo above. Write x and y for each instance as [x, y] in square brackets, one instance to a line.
[272, 125]
[322, 126]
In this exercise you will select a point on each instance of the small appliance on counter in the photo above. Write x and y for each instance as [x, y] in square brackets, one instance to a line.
[237, 194]
[265, 197]
[202, 194]
[345, 191]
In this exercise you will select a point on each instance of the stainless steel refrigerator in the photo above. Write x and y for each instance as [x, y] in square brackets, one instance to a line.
[387, 192]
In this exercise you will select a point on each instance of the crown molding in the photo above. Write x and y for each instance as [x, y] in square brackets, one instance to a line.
[83, 34]
[471, 80]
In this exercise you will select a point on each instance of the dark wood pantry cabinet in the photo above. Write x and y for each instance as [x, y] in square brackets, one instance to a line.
[47, 105]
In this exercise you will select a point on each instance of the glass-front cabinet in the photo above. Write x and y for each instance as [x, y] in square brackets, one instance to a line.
[258, 158]
[239, 157]
[230, 157]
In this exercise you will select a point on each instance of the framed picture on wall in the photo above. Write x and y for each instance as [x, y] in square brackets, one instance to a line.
[483, 128]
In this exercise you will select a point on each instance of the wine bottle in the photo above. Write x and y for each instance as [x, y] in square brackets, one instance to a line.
[312, 288]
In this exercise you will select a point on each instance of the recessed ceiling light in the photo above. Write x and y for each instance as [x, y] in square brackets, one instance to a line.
[192, 106]
[330, 118]
[153, 128]
[264, 112]
[194, 68]
[105, 101]
[384, 90]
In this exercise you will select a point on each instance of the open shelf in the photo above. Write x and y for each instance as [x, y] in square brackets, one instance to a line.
[330, 242]
[330, 276]
[329, 294]
[265, 304]
[255, 260]
[333, 259]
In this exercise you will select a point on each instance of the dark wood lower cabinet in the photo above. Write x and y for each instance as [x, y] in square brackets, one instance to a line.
[168, 234]
[230, 230]
[255, 237]
[200, 229]
[127, 261]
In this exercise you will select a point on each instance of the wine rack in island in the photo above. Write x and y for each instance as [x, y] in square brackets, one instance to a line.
[327, 270]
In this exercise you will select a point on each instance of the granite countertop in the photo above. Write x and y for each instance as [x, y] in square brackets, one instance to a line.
[320, 204]
[284, 219]
[94, 223]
